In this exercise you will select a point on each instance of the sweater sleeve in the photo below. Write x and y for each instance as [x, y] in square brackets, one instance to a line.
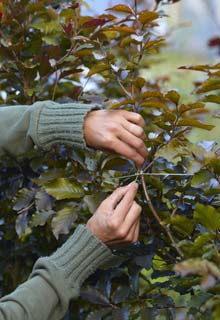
[44, 124]
[56, 279]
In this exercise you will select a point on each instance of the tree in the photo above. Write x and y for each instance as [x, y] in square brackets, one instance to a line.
[48, 50]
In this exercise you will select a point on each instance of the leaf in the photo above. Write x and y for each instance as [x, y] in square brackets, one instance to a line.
[182, 224]
[174, 96]
[184, 108]
[208, 216]
[121, 8]
[201, 179]
[94, 296]
[63, 188]
[148, 16]
[63, 220]
[139, 82]
[93, 201]
[209, 85]
[215, 164]
[21, 223]
[120, 294]
[117, 163]
[121, 103]
[194, 123]
[153, 44]
[98, 314]
[24, 199]
[171, 151]
[123, 29]
[94, 23]
[43, 201]
[97, 69]
[40, 218]
[212, 98]
[201, 241]
[151, 103]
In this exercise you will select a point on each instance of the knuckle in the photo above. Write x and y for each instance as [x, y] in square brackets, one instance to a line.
[138, 207]
[121, 234]
[129, 239]
[139, 118]
[109, 139]
[140, 144]
[140, 131]
[113, 127]
[112, 225]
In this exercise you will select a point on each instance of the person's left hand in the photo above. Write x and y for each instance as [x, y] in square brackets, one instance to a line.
[118, 131]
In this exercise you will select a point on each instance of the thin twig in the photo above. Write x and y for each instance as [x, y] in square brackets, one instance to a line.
[55, 85]
[157, 174]
[156, 216]
[26, 208]
[177, 206]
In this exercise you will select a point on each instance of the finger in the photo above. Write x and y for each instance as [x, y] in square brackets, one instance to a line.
[126, 203]
[134, 142]
[134, 117]
[134, 129]
[116, 196]
[135, 231]
[128, 152]
[132, 217]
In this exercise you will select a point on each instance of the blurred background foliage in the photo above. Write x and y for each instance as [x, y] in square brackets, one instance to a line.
[124, 57]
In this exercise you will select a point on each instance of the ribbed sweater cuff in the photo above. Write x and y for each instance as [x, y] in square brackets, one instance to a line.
[80, 256]
[55, 123]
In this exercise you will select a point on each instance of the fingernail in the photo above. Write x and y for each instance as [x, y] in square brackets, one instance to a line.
[133, 183]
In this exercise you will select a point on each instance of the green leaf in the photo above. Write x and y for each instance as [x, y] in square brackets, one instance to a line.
[182, 224]
[201, 179]
[194, 123]
[201, 241]
[208, 216]
[171, 151]
[63, 220]
[63, 188]
[97, 69]
[41, 217]
[215, 164]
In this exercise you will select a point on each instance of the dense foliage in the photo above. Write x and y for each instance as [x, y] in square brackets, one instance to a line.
[48, 50]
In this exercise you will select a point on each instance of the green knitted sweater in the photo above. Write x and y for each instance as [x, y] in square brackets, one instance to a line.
[55, 279]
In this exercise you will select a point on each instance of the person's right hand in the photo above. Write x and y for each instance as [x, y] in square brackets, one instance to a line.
[117, 220]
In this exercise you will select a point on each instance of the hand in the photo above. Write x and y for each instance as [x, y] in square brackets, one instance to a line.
[118, 131]
[117, 220]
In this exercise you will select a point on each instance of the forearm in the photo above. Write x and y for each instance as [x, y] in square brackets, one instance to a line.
[56, 279]
[44, 124]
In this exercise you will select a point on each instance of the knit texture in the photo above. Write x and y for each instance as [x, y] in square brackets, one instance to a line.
[54, 123]
[80, 256]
